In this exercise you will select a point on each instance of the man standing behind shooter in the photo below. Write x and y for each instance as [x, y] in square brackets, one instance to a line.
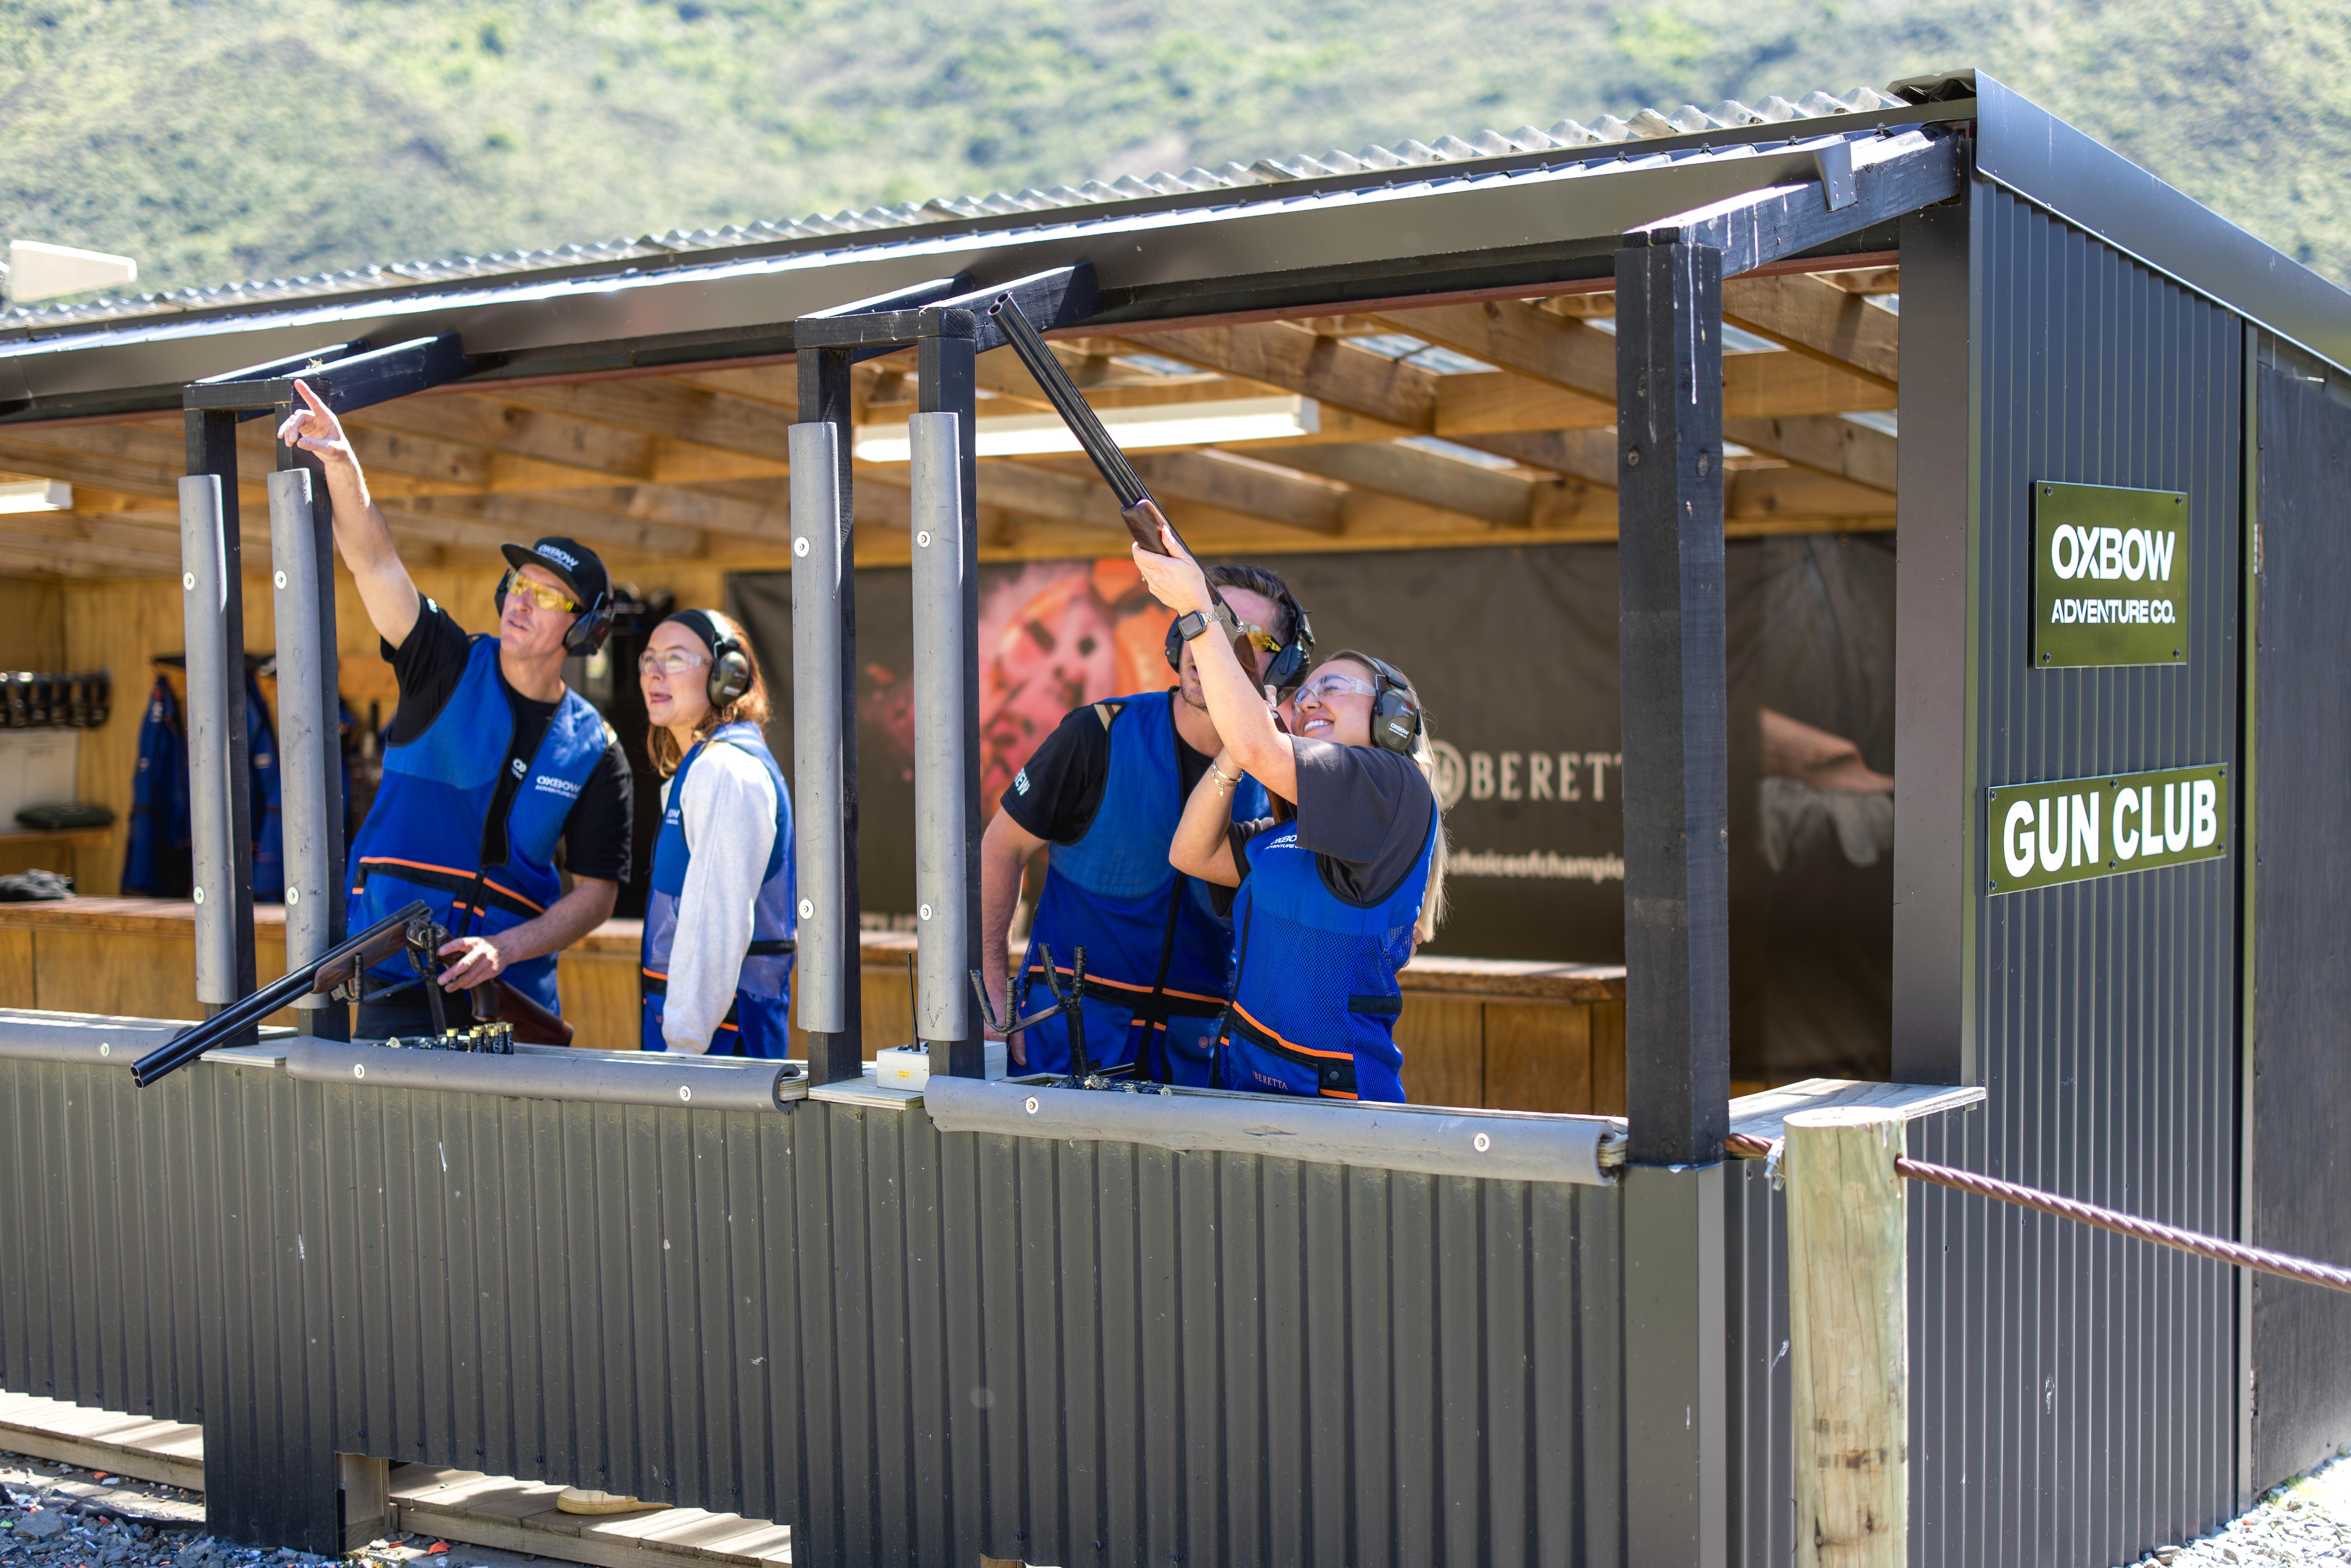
[490, 763]
[1106, 790]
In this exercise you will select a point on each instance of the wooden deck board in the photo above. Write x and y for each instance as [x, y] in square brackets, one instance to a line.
[495, 1512]
[168, 1452]
[521, 1516]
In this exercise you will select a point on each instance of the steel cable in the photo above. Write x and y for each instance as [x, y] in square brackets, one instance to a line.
[2235, 1254]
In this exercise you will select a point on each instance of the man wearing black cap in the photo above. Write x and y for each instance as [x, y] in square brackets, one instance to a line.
[491, 762]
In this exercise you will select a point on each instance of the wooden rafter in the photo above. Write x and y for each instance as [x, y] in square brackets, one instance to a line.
[1823, 443]
[1818, 319]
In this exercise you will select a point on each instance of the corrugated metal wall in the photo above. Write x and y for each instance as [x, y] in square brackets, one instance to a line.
[912, 1347]
[2302, 1169]
[2073, 1396]
[153, 1260]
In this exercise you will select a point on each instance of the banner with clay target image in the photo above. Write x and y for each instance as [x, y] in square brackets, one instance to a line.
[1513, 651]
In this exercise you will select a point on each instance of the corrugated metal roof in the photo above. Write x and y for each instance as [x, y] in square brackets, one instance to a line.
[1564, 135]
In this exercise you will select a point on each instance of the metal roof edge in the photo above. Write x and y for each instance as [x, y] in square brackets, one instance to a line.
[850, 246]
[2031, 152]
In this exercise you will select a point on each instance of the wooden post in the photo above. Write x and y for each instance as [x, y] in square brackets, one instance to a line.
[366, 1485]
[1848, 1328]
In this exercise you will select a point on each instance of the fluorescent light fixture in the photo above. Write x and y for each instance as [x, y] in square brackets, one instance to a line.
[1208, 424]
[35, 496]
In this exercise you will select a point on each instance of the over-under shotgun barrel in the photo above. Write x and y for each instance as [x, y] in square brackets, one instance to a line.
[370, 946]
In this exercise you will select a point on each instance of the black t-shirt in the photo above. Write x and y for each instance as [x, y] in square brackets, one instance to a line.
[1362, 809]
[1056, 795]
[428, 666]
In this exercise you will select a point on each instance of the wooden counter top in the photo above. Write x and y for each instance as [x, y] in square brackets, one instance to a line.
[1464, 978]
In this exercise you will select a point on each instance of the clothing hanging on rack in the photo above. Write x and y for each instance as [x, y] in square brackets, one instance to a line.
[158, 860]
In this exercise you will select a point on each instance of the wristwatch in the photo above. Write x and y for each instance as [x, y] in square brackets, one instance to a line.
[1192, 623]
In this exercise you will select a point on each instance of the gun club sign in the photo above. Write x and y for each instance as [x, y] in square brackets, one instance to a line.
[2110, 576]
[2077, 828]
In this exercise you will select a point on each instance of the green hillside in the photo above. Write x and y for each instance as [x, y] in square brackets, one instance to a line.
[218, 140]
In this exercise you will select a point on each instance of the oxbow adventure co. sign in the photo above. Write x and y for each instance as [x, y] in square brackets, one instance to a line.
[2075, 829]
[2110, 583]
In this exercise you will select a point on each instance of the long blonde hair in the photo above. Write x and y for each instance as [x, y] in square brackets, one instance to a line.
[1424, 754]
[751, 708]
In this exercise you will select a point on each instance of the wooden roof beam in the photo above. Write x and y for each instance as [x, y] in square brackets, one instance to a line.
[1750, 493]
[667, 409]
[492, 521]
[1811, 316]
[1407, 473]
[1823, 443]
[1328, 369]
[537, 450]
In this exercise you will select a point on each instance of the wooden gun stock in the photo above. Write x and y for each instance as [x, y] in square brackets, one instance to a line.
[494, 1001]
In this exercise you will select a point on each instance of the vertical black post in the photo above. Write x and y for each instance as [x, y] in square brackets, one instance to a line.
[1935, 886]
[212, 449]
[946, 382]
[1670, 586]
[1669, 564]
[825, 395]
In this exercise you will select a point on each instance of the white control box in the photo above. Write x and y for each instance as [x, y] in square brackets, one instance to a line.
[909, 1066]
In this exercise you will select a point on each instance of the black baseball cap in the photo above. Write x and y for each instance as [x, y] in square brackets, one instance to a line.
[575, 566]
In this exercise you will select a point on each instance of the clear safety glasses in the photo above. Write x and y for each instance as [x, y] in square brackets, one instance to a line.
[671, 664]
[1328, 684]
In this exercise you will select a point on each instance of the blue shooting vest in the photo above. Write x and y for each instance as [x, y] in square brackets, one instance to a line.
[1315, 999]
[756, 1024]
[422, 837]
[1158, 956]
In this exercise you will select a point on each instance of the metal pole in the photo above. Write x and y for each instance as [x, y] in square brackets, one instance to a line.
[306, 746]
[1670, 588]
[828, 953]
[940, 882]
[211, 451]
[204, 583]
[947, 382]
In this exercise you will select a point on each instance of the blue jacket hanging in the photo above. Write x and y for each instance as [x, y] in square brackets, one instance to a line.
[158, 859]
[267, 796]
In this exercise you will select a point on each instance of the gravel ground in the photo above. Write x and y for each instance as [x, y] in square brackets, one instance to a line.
[2305, 1522]
[55, 1516]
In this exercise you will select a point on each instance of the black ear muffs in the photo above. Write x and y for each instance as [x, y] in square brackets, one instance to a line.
[1396, 717]
[1289, 666]
[730, 666]
[588, 629]
[730, 671]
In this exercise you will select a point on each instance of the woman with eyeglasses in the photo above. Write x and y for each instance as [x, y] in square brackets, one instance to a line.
[1335, 890]
[720, 919]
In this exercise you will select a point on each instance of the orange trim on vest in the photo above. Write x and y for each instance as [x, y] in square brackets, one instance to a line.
[1130, 985]
[452, 871]
[1288, 1044]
